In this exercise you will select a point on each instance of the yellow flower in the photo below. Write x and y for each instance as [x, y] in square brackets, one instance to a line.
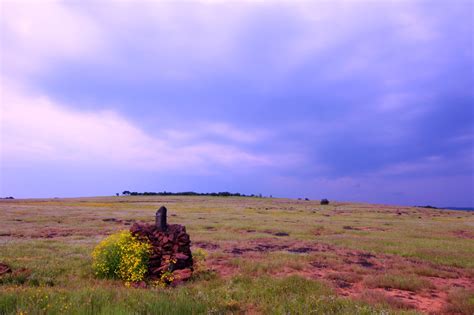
[123, 256]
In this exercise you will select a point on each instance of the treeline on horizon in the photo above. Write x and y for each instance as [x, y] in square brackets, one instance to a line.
[188, 193]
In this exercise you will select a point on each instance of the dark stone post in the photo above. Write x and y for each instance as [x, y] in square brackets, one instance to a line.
[160, 220]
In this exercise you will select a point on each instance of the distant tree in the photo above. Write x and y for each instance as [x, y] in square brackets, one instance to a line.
[324, 201]
[188, 193]
[117, 194]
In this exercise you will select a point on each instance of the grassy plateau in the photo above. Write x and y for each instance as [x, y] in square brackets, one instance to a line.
[264, 256]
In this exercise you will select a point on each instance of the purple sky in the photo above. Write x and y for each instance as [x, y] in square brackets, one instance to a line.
[367, 101]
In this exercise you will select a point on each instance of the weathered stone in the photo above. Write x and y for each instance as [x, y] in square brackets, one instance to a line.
[160, 219]
[181, 275]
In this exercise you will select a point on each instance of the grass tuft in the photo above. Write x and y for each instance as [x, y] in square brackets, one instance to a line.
[461, 301]
[406, 282]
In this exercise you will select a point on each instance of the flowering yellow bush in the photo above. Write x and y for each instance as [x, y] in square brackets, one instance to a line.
[166, 279]
[122, 256]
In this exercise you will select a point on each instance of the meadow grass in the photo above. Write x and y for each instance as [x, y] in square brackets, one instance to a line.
[461, 301]
[48, 243]
[291, 295]
[407, 282]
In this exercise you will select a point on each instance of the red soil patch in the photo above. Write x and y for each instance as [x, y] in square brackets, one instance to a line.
[372, 229]
[346, 273]
[464, 234]
[53, 233]
[57, 232]
[426, 303]
[206, 245]
[223, 267]
[272, 245]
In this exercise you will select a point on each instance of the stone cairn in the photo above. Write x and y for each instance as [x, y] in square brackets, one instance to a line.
[171, 248]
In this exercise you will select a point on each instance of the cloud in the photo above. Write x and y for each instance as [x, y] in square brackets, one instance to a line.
[333, 92]
[36, 33]
[220, 35]
[36, 128]
[441, 190]
[455, 164]
[217, 131]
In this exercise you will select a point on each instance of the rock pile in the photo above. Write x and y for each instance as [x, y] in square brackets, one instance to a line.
[171, 248]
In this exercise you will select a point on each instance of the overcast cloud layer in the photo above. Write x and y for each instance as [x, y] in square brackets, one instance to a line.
[349, 100]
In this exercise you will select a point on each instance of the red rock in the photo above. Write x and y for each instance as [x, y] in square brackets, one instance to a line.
[181, 256]
[4, 269]
[182, 274]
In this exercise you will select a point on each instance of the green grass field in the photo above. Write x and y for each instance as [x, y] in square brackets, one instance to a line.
[265, 256]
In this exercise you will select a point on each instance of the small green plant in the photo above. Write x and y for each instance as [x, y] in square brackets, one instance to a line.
[201, 271]
[199, 258]
[121, 256]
